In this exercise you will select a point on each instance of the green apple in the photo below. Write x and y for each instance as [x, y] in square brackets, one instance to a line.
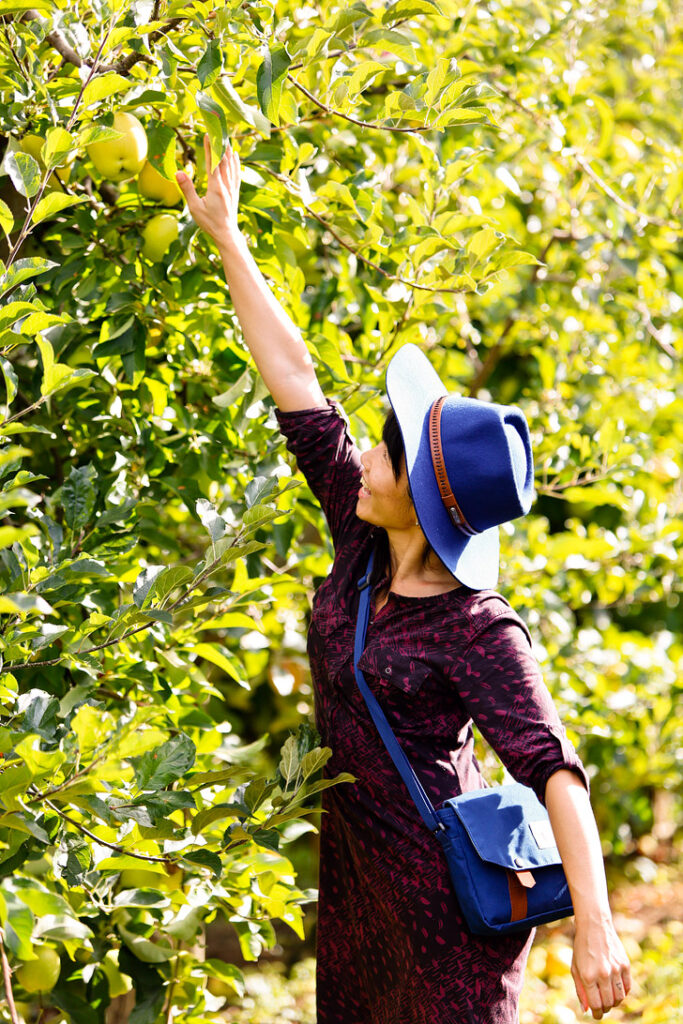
[160, 232]
[40, 975]
[153, 185]
[122, 158]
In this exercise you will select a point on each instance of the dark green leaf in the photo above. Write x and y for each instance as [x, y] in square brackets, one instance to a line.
[211, 64]
[165, 764]
[269, 81]
[78, 497]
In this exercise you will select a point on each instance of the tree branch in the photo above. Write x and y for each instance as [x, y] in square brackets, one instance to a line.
[353, 120]
[103, 842]
[7, 979]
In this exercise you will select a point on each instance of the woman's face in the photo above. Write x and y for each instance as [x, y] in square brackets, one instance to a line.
[382, 499]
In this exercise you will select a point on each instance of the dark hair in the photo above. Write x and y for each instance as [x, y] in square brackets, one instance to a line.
[393, 439]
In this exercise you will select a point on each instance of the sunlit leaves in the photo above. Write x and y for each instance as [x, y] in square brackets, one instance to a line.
[269, 81]
[24, 172]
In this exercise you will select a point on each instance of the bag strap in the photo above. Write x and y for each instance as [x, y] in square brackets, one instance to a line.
[405, 770]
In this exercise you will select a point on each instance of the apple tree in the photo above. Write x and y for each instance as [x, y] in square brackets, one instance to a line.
[498, 182]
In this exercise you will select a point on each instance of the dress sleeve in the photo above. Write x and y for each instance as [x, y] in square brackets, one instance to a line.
[328, 458]
[504, 692]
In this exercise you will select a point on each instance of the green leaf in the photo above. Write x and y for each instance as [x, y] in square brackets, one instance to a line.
[216, 124]
[289, 759]
[58, 376]
[101, 86]
[144, 949]
[170, 579]
[161, 152]
[52, 204]
[227, 973]
[22, 270]
[24, 172]
[59, 143]
[362, 75]
[205, 858]
[258, 489]
[270, 78]
[6, 218]
[18, 930]
[141, 898]
[144, 584]
[11, 380]
[236, 109]
[163, 765]
[221, 658]
[62, 927]
[240, 388]
[78, 497]
[72, 860]
[211, 64]
[410, 9]
[313, 761]
[210, 519]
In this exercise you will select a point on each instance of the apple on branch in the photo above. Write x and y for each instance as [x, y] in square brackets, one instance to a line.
[122, 158]
[153, 185]
[41, 974]
[159, 233]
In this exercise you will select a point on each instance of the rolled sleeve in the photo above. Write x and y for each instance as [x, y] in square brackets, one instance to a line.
[503, 690]
[327, 456]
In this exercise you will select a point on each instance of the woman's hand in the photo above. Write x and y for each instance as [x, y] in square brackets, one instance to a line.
[216, 213]
[600, 967]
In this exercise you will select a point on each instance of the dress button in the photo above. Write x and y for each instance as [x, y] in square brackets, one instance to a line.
[518, 861]
[387, 670]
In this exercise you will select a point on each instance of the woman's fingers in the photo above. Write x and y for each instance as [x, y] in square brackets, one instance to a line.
[186, 186]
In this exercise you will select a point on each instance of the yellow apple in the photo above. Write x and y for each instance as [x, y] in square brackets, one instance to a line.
[160, 232]
[40, 975]
[32, 144]
[122, 158]
[153, 185]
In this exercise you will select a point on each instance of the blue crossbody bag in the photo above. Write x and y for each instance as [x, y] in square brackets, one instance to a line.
[500, 848]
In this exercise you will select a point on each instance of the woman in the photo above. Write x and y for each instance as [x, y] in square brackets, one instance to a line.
[441, 650]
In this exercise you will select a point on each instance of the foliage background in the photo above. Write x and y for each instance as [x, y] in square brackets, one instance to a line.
[500, 183]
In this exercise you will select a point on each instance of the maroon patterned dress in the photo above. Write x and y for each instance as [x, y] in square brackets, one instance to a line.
[391, 943]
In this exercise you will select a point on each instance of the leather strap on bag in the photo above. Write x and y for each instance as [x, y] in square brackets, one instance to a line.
[518, 883]
[445, 489]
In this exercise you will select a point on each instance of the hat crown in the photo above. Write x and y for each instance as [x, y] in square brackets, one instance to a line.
[487, 455]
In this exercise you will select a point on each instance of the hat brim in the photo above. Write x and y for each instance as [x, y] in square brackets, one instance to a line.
[412, 387]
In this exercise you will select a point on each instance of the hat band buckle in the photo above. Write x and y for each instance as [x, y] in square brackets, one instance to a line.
[445, 489]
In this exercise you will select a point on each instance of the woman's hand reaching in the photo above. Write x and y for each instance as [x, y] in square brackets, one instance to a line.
[216, 213]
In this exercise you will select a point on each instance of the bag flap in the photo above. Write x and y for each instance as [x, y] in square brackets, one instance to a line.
[508, 826]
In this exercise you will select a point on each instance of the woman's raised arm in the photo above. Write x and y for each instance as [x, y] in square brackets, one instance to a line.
[275, 343]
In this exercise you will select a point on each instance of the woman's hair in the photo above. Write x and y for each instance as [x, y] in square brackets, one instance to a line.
[393, 439]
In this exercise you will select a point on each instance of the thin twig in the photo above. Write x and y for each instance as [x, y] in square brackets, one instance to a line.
[103, 842]
[353, 120]
[346, 245]
[7, 978]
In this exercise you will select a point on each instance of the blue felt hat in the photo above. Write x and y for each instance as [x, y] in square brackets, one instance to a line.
[485, 476]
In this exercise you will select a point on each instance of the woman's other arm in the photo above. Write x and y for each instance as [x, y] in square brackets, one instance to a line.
[600, 967]
[274, 341]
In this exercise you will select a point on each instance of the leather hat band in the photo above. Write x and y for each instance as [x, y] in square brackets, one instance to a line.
[445, 489]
